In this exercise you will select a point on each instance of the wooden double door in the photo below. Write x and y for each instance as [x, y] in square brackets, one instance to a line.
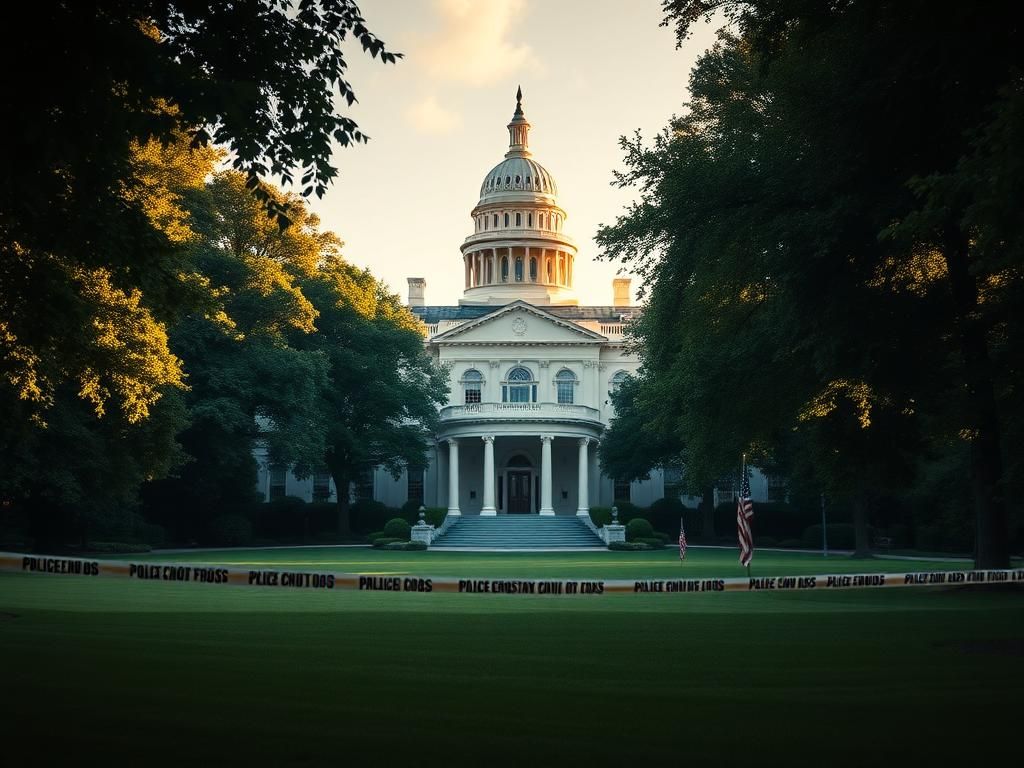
[519, 490]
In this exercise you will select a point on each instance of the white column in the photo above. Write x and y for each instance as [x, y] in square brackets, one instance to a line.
[583, 502]
[488, 508]
[453, 477]
[545, 475]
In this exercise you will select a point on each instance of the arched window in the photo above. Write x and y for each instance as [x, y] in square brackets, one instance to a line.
[540, 220]
[519, 219]
[533, 270]
[472, 381]
[518, 179]
[506, 219]
[519, 269]
[616, 381]
[550, 278]
[504, 269]
[508, 180]
[519, 387]
[529, 219]
[565, 383]
[495, 219]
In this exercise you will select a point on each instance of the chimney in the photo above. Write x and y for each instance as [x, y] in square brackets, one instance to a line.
[417, 287]
[620, 292]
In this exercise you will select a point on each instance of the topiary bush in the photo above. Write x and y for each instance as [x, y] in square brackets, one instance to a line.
[230, 531]
[382, 541]
[434, 516]
[398, 528]
[639, 528]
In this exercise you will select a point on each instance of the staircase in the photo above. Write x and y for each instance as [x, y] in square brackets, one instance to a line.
[518, 532]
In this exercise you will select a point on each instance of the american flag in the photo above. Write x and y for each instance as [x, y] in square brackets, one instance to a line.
[744, 514]
[682, 540]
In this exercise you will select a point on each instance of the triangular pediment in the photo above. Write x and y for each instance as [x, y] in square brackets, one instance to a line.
[519, 322]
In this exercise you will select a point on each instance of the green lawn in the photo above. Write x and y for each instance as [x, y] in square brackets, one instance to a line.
[178, 674]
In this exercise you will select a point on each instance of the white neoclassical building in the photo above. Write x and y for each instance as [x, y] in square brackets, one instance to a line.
[531, 369]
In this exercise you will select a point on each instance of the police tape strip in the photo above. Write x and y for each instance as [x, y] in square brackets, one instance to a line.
[215, 575]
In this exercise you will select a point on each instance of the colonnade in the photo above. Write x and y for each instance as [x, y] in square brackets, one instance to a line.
[546, 506]
[518, 264]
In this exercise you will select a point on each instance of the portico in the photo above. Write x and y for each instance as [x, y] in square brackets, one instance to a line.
[505, 473]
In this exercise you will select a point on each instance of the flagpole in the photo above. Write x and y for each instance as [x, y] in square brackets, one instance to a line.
[743, 477]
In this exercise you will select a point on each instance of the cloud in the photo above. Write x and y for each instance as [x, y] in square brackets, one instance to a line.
[472, 47]
[428, 116]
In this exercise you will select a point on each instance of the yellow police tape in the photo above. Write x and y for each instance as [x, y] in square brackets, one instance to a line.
[220, 575]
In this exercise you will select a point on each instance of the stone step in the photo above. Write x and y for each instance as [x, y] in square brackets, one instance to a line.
[519, 532]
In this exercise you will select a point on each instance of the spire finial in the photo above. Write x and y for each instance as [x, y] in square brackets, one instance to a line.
[518, 130]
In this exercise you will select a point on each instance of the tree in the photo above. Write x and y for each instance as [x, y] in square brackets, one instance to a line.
[76, 234]
[786, 307]
[380, 407]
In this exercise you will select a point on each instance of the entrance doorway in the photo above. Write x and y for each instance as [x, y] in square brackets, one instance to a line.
[519, 482]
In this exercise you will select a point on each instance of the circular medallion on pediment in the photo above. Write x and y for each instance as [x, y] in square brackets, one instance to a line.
[519, 326]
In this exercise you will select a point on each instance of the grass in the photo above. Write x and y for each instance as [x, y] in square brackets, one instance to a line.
[171, 674]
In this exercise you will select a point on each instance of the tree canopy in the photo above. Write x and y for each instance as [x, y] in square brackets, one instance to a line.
[832, 267]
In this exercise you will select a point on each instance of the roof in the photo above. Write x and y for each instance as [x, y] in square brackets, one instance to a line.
[436, 314]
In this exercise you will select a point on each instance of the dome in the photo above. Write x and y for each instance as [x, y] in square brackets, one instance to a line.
[517, 174]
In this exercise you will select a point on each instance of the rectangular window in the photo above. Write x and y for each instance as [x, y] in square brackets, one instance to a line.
[414, 486]
[321, 485]
[472, 394]
[725, 490]
[364, 484]
[519, 394]
[565, 391]
[776, 488]
[278, 479]
[621, 490]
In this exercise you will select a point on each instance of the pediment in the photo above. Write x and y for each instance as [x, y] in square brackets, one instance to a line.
[519, 323]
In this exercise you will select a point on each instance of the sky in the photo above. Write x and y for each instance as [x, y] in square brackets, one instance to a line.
[591, 71]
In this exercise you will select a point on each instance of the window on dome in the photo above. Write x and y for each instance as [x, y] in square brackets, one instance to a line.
[485, 223]
[565, 382]
[508, 180]
[504, 269]
[495, 219]
[518, 179]
[506, 219]
[527, 181]
[529, 219]
[519, 387]
[519, 269]
[472, 381]
[550, 279]
[540, 221]
[533, 270]
[519, 219]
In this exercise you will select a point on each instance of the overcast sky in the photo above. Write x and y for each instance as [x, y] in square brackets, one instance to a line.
[591, 71]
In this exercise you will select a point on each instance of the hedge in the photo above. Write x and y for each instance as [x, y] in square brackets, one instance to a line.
[629, 546]
[397, 528]
[639, 528]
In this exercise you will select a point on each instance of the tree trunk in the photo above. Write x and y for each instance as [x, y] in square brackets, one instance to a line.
[861, 537]
[707, 503]
[991, 522]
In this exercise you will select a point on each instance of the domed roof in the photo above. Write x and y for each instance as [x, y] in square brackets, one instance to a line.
[518, 175]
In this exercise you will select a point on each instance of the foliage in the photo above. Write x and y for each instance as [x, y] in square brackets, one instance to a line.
[639, 528]
[380, 542]
[797, 224]
[398, 528]
[601, 516]
[230, 531]
[629, 546]
[369, 515]
[435, 516]
[404, 546]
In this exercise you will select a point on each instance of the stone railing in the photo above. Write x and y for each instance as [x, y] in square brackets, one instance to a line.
[524, 411]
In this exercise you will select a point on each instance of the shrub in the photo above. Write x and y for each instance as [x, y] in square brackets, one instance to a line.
[628, 546]
[601, 516]
[776, 519]
[639, 528]
[666, 513]
[404, 546]
[382, 541]
[372, 537]
[627, 510]
[230, 530]
[657, 542]
[281, 518]
[398, 528]
[368, 515]
[152, 534]
[115, 547]
[434, 516]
